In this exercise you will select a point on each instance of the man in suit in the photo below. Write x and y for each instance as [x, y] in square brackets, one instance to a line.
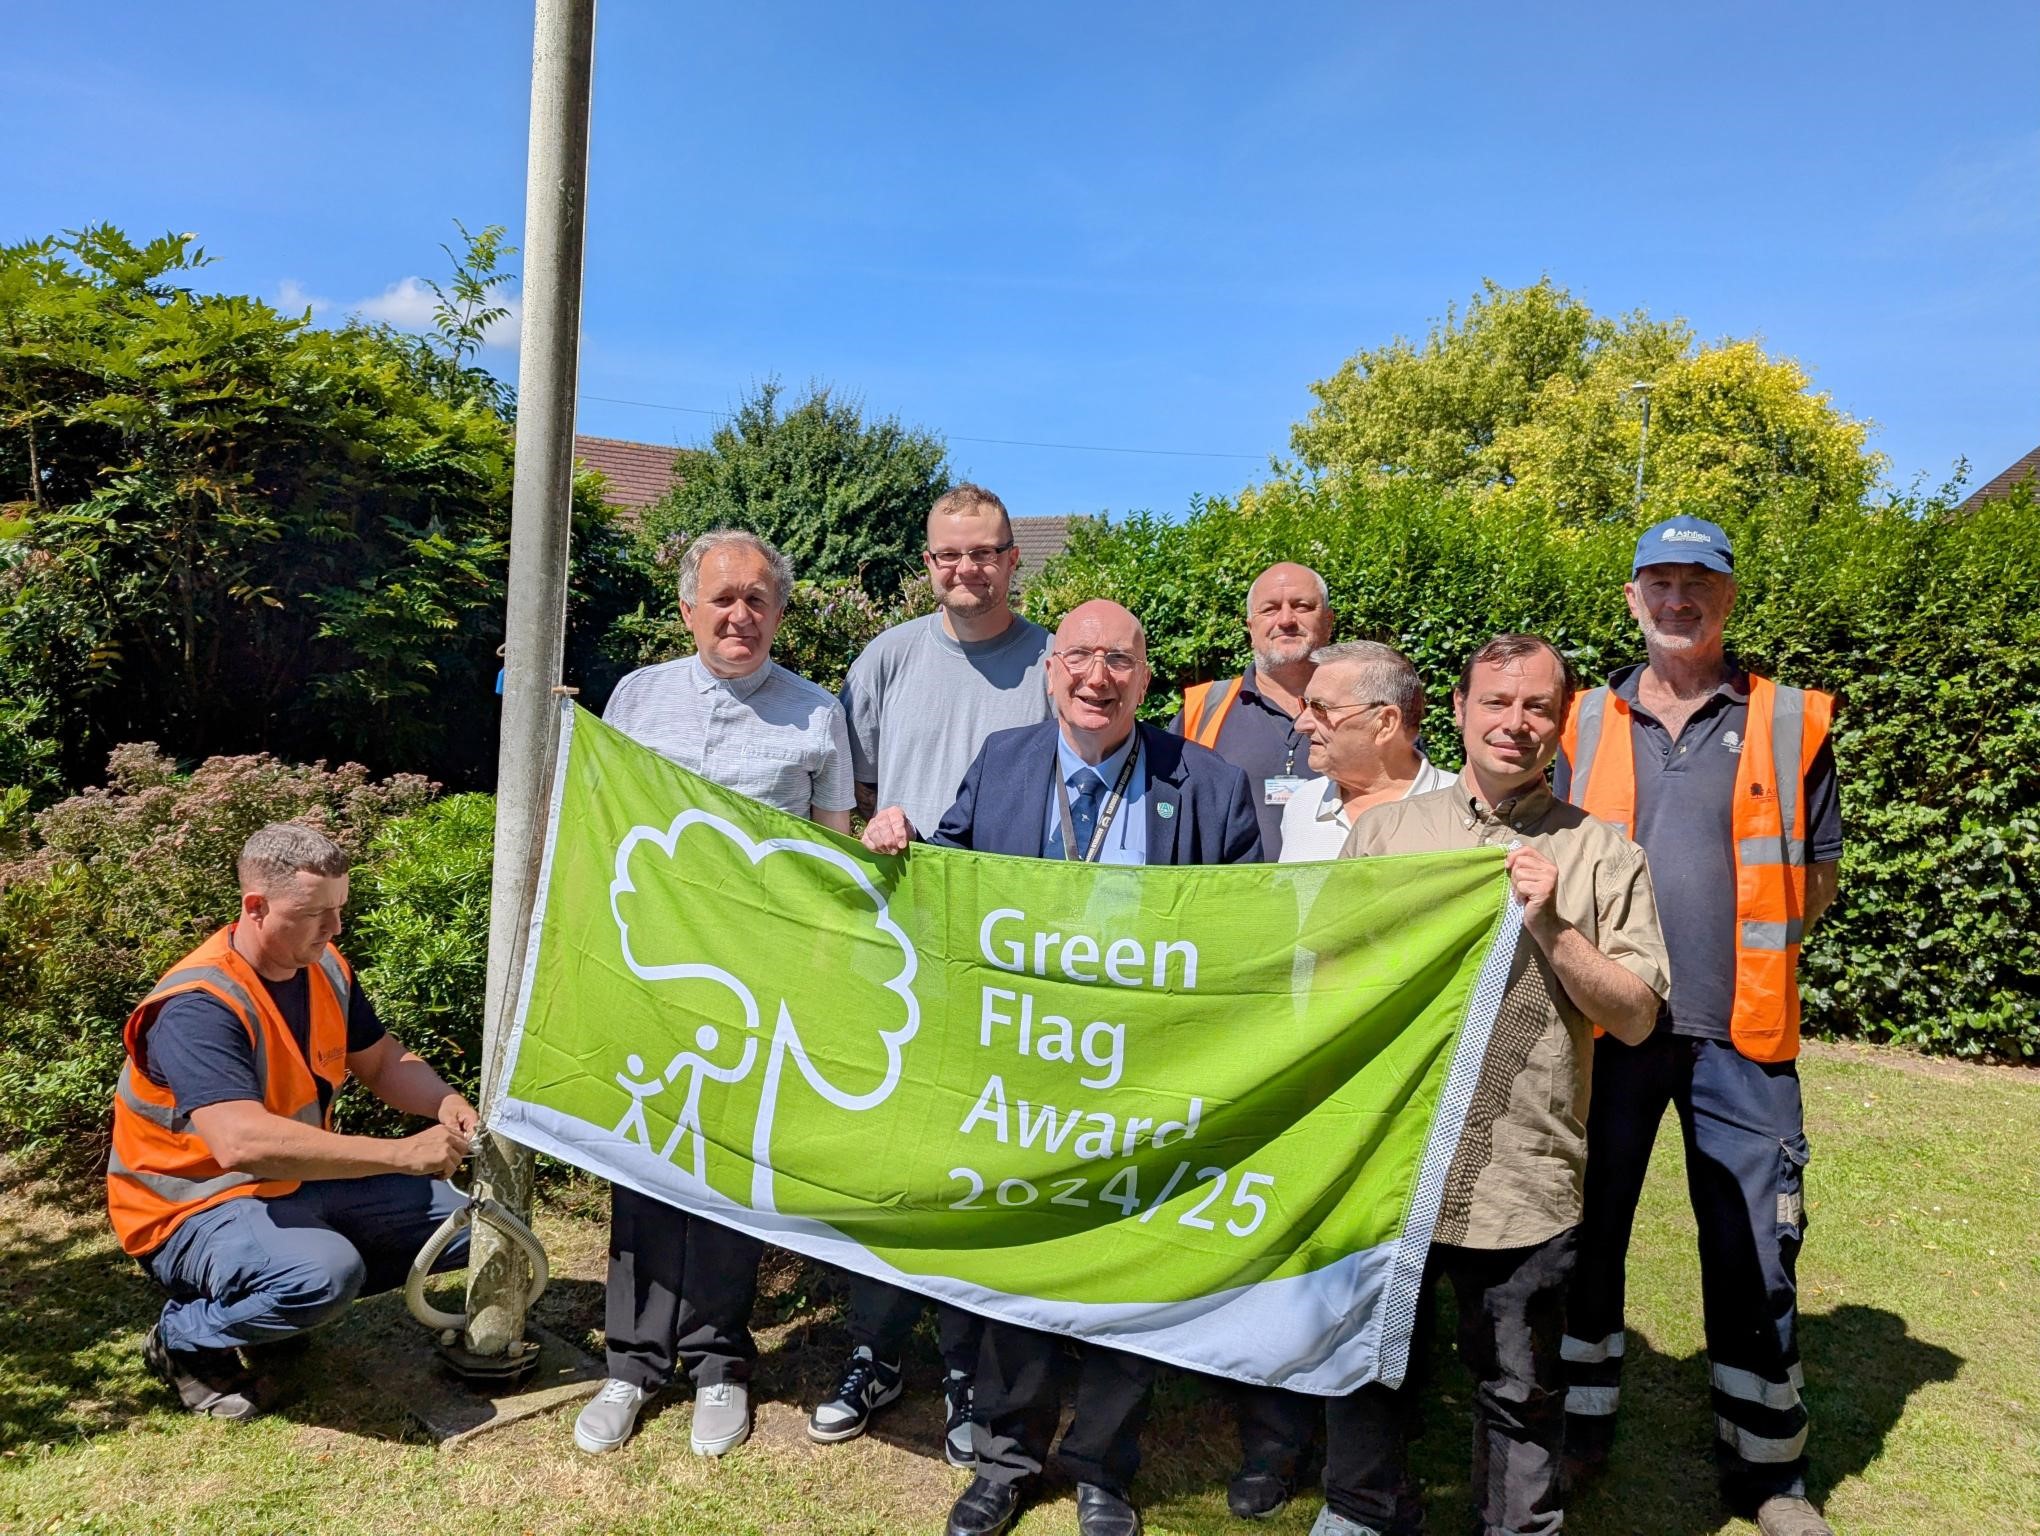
[1096, 785]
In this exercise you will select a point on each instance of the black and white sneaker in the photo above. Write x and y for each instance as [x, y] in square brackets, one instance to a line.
[868, 1384]
[959, 1396]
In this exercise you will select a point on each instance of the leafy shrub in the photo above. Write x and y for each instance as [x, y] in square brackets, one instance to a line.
[118, 884]
[1925, 620]
[419, 939]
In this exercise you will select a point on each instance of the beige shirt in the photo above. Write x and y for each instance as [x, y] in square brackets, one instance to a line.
[1517, 1177]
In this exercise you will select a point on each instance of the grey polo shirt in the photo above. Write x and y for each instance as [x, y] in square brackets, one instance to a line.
[772, 735]
[1259, 737]
[1685, 798]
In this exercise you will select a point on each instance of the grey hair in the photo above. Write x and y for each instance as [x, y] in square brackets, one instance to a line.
[733, 538]
[1387, 676]
[284, 848]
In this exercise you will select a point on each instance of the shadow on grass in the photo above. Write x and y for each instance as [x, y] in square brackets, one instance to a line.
[71, 1313]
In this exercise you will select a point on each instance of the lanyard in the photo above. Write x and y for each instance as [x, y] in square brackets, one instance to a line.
[1111, 809]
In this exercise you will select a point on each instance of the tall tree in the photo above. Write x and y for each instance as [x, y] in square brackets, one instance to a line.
[1528, 391]
[844, 498]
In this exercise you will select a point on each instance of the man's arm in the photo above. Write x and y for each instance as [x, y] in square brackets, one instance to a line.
[867, 800]
[1821, 880]
[246, 1138]
[1603, 991]
[835, 821]
[405, 1082]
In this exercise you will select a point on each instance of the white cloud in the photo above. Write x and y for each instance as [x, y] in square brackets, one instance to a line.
[406, 304]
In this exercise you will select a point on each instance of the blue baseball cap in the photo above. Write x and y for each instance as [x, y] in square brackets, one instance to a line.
[1685, 541]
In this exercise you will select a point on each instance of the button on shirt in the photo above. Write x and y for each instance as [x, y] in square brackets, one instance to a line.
[771, 734]
[1519, 1172]
[1126, 838]
[1259, 736]
[1685, 807]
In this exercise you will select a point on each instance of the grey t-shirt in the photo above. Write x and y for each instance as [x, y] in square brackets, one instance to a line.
[920, 703]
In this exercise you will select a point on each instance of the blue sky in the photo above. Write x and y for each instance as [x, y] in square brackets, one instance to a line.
[1132, 226]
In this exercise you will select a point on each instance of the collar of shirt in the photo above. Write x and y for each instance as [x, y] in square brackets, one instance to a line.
[739, 687]
[1625, 683]
[1070, 764]
[1524, 811]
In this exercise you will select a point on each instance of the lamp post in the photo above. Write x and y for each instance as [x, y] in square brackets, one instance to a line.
[1643, 388]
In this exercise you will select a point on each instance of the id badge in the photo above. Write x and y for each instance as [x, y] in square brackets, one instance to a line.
[1277, 788]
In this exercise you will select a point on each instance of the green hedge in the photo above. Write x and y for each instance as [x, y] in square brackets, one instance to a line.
[1924, 620]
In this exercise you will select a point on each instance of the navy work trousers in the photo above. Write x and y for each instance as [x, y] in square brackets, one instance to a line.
[253, 1270]
[1745, 1161]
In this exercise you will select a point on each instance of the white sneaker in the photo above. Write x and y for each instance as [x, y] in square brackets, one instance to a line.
[722, 1418]
[608, 1420]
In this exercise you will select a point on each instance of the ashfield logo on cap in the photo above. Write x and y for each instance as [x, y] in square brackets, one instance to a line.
[1685, 536]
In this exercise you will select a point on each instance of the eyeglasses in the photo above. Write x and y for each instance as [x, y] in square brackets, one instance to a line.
[1078, 663]
[1324, 710]
[983, 554]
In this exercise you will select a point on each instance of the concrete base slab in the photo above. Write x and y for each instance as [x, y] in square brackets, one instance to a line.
[389, 1357]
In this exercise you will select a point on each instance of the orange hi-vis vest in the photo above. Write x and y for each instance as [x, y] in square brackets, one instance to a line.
[1204, 710]
[161, 1172]
[1768, 823]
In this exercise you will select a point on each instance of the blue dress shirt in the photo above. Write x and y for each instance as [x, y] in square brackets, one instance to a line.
[1126, 838]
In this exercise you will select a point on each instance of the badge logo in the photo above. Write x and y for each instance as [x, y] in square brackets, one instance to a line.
[1164, 809]
[1733, 741]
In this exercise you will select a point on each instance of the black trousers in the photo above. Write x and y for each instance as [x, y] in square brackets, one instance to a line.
[1277, 1428]
[881, 1317]
[1019, 1400]
[1511, 1317]
[1745, 1168]
[680, 1292]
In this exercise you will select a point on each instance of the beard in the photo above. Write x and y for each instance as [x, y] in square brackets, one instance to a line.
[1283, 653]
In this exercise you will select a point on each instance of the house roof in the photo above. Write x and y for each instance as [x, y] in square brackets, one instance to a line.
[1040, 539]
[638, 473]
[2002, 485]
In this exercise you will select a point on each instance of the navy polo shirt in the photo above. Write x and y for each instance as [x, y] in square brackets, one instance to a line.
[1259, 737]
[199, 1050]
[1685, 798]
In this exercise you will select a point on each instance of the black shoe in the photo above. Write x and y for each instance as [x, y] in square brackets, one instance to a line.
[868, 1384]
[207, 1381]
[985, 1508]
[1101, 1512]
[1255, 1495]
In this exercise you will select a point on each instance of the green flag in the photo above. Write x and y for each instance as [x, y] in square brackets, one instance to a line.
[1200, 1113]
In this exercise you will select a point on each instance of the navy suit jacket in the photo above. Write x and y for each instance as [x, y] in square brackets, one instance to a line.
[1210, 817]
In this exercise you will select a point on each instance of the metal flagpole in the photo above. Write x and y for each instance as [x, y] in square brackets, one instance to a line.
[562, 79]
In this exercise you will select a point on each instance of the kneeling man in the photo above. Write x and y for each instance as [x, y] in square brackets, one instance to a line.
[1590, 953]
[227, 1180]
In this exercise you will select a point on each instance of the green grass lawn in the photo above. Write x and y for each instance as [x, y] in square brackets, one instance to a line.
[1921, 1335]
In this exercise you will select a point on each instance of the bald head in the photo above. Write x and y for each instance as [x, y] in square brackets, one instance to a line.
[1289, 615]
[1098, 677]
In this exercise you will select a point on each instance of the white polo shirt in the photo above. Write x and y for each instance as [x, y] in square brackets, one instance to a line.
[1315, 823]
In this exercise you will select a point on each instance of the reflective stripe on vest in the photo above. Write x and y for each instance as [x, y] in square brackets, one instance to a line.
[1204, 710]
[1786, 728]
[160, 1171]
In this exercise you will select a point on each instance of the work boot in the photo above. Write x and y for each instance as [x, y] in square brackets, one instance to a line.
[1101, 1512]
[868, 1385]
[722, 1418]
[985, 1508]
[610, 1416]
[208, 1381]
[1256, 1493]
[959, 1397]
[1787, 1514]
